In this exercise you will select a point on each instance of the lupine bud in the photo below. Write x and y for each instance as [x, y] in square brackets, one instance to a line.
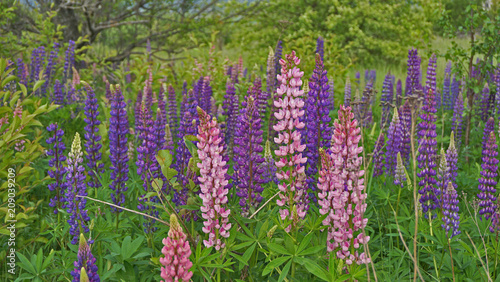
[347, 92]
[447, 100]
[176, 263]
[400, 175]
[85, 267]
[443, 176]
[452, 159]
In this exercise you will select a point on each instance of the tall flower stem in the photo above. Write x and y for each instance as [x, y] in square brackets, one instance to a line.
[451, 256]
[415, 193]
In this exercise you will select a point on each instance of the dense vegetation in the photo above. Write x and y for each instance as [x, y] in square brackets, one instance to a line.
[233, 141]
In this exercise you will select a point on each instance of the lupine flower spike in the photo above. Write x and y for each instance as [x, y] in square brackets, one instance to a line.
[176, 251]
[487, 181]
[450, 218]
[213, 187]
[291, 164]
[342, 194]
[56, 151]
[452, 159]
[85, 266]
[400, 176]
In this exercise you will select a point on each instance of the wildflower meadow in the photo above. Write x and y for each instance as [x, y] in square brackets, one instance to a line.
[222, 141]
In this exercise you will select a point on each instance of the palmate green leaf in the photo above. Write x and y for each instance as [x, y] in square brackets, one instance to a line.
[275, 263]
[48, 259]
[38, 84]
[26, 264]
[248, 253]
[240, 259]
[285, 271]
[304, 243]
[278, 249]
[315, 269]
[312, 250]
[39, 260]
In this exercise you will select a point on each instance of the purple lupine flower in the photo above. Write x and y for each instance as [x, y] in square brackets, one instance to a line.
[456, 122]
[320, 44]
[118, 129]
[450, 209]
[248, 168]
[172, 109]
[69, 62]
[56, 151]
[387, 98]
[260, 96]
[487, 181]
[452, 159]
[347, 92]
[230, 106]
[75, 183]
[269, 174]
[488, 128]
[394, 143]
[291, 164]
[162, 101]
[431, 78]
[399, 93]
[495, 221]
[413, 74]
[147, 91]
[400, 173]
[58, 93]
[49, 70]
[427, 155]
[447, 100]
[137, 113]
[357, 80]
[169, 139]
[442, 176]
[206, 95]
[455, 90]
[86, 261]
[147, 166]
[271, 73]
[159, 130]
[198, 90]
[213, 188]
[378, 156]
[318, 132]
[128, 76]
[22, 72]
[184, 99]
[92, 138]
[484, 107]
[497, 82]
[37, 58]
[278, 52]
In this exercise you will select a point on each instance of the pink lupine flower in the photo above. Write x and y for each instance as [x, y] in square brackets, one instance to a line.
[177, 252]
[290, 162]
[213, 187]
[341, 184]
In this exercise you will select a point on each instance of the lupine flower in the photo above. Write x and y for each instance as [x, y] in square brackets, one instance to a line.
[37, 58]
[58, 93]
[347, 92]
[456, 122]
[357, 79]
[400, 175]
[431, 78]
[488, 128]
[278, 52]
[206, 95]
[118, 129]
[484, 107]
[447, 95]
[387, 98]
[271, 73]
[86, 262]
[230, 106]
[378, 156]
[394, 143]
[69, 61]
[76, 186]
[259, 95]
[291, 164]
[452, 159]
[495, 221]
[413, 75]
[443, 176]
[172, 108]
[399, 93]
[22, 72]
[455, 90]
[176, 251]
[320, 43]
[269, 174]
[213, 187]
[342, 197]
[497, 82]
[162, 101]
[49, 70]
[56, 151]
[248, 162]
[93, 139]
[169, 140]
[450, 218]
[318, 132]
[427, 155]
[487, 181]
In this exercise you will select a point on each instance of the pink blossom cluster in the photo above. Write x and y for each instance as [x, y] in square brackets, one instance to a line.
[213, 187]
[177, 252]
[290, 162]
[341, 194]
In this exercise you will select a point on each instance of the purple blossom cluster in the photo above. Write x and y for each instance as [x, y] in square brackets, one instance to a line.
[394, 143]
[387, 98]
[451, 219]
[56, 151]
[430, 83]
[378, 156]
[413, 74]
[92, 138]
[86, 262]
[456, 122]
[487, 181]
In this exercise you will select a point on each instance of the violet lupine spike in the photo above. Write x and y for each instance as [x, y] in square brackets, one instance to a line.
[357, 80]
[118, 149]
[162, 101]
[169, 140]
[484, 107]
[451, 219]
[56, 151]
[75, 179]
[198, 90]
[400, 174]
[347, 92]
[318, 132]
[37, 58]
[413, 74]
[259, 96]
[320, 48]
[278, 52]
[487, 181]
[69, 62]
[172, 108]
[184, 99]
[93, 144]
[427, 155]
[213, 178]
[248, 168]
[455, 90]
[22, 72]
[206, 95]
[442, 176]
[456, 122]
[176, 249]
[58, 93]
[291, 164]
[230, 106]
[86, 262]
[452, 159]
[495, 221]
[182, 157]
[269, 174]
[386, 99]
[488, 128]
[394, 143]
[49, 70]
[399, 93]
[447, 100]
[378, 156]
[430, 83]
[497, 82]
[147, 91]
[342, 195]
